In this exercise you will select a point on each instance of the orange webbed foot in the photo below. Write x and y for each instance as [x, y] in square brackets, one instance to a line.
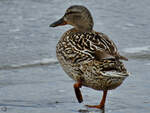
[96, 106]
[102, 103]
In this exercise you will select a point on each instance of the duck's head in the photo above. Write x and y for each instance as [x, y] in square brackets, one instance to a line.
[77, 16]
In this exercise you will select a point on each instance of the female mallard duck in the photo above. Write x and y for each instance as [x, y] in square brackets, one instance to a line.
[88, 57]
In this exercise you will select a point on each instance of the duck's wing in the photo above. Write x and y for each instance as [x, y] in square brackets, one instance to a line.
[101, 47]
[110, 46]
[78, 47]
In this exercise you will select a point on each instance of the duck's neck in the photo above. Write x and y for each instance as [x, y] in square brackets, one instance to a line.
[85, 25]
[83, 28]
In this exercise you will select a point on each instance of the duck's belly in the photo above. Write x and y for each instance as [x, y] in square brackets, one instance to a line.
[87, 77]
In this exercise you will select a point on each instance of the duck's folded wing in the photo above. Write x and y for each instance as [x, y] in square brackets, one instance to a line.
[101, 47]
[80, 47]
[108, 46]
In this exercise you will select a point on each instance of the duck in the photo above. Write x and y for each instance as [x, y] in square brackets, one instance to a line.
[89, 57]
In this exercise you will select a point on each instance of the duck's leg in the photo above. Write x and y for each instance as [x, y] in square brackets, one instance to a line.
[102, 103]
[78, 92]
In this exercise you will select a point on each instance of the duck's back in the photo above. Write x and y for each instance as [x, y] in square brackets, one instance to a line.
[80, 54]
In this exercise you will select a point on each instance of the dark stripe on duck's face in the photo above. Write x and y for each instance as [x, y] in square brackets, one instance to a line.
[68, 13]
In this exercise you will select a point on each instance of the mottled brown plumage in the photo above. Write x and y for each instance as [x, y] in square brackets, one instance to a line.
[88, 57]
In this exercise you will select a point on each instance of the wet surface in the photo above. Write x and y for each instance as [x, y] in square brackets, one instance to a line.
[32, 81]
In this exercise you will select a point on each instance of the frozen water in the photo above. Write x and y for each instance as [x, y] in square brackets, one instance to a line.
[32, 81]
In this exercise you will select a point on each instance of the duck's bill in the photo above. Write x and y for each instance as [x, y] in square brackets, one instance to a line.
[60, 22]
